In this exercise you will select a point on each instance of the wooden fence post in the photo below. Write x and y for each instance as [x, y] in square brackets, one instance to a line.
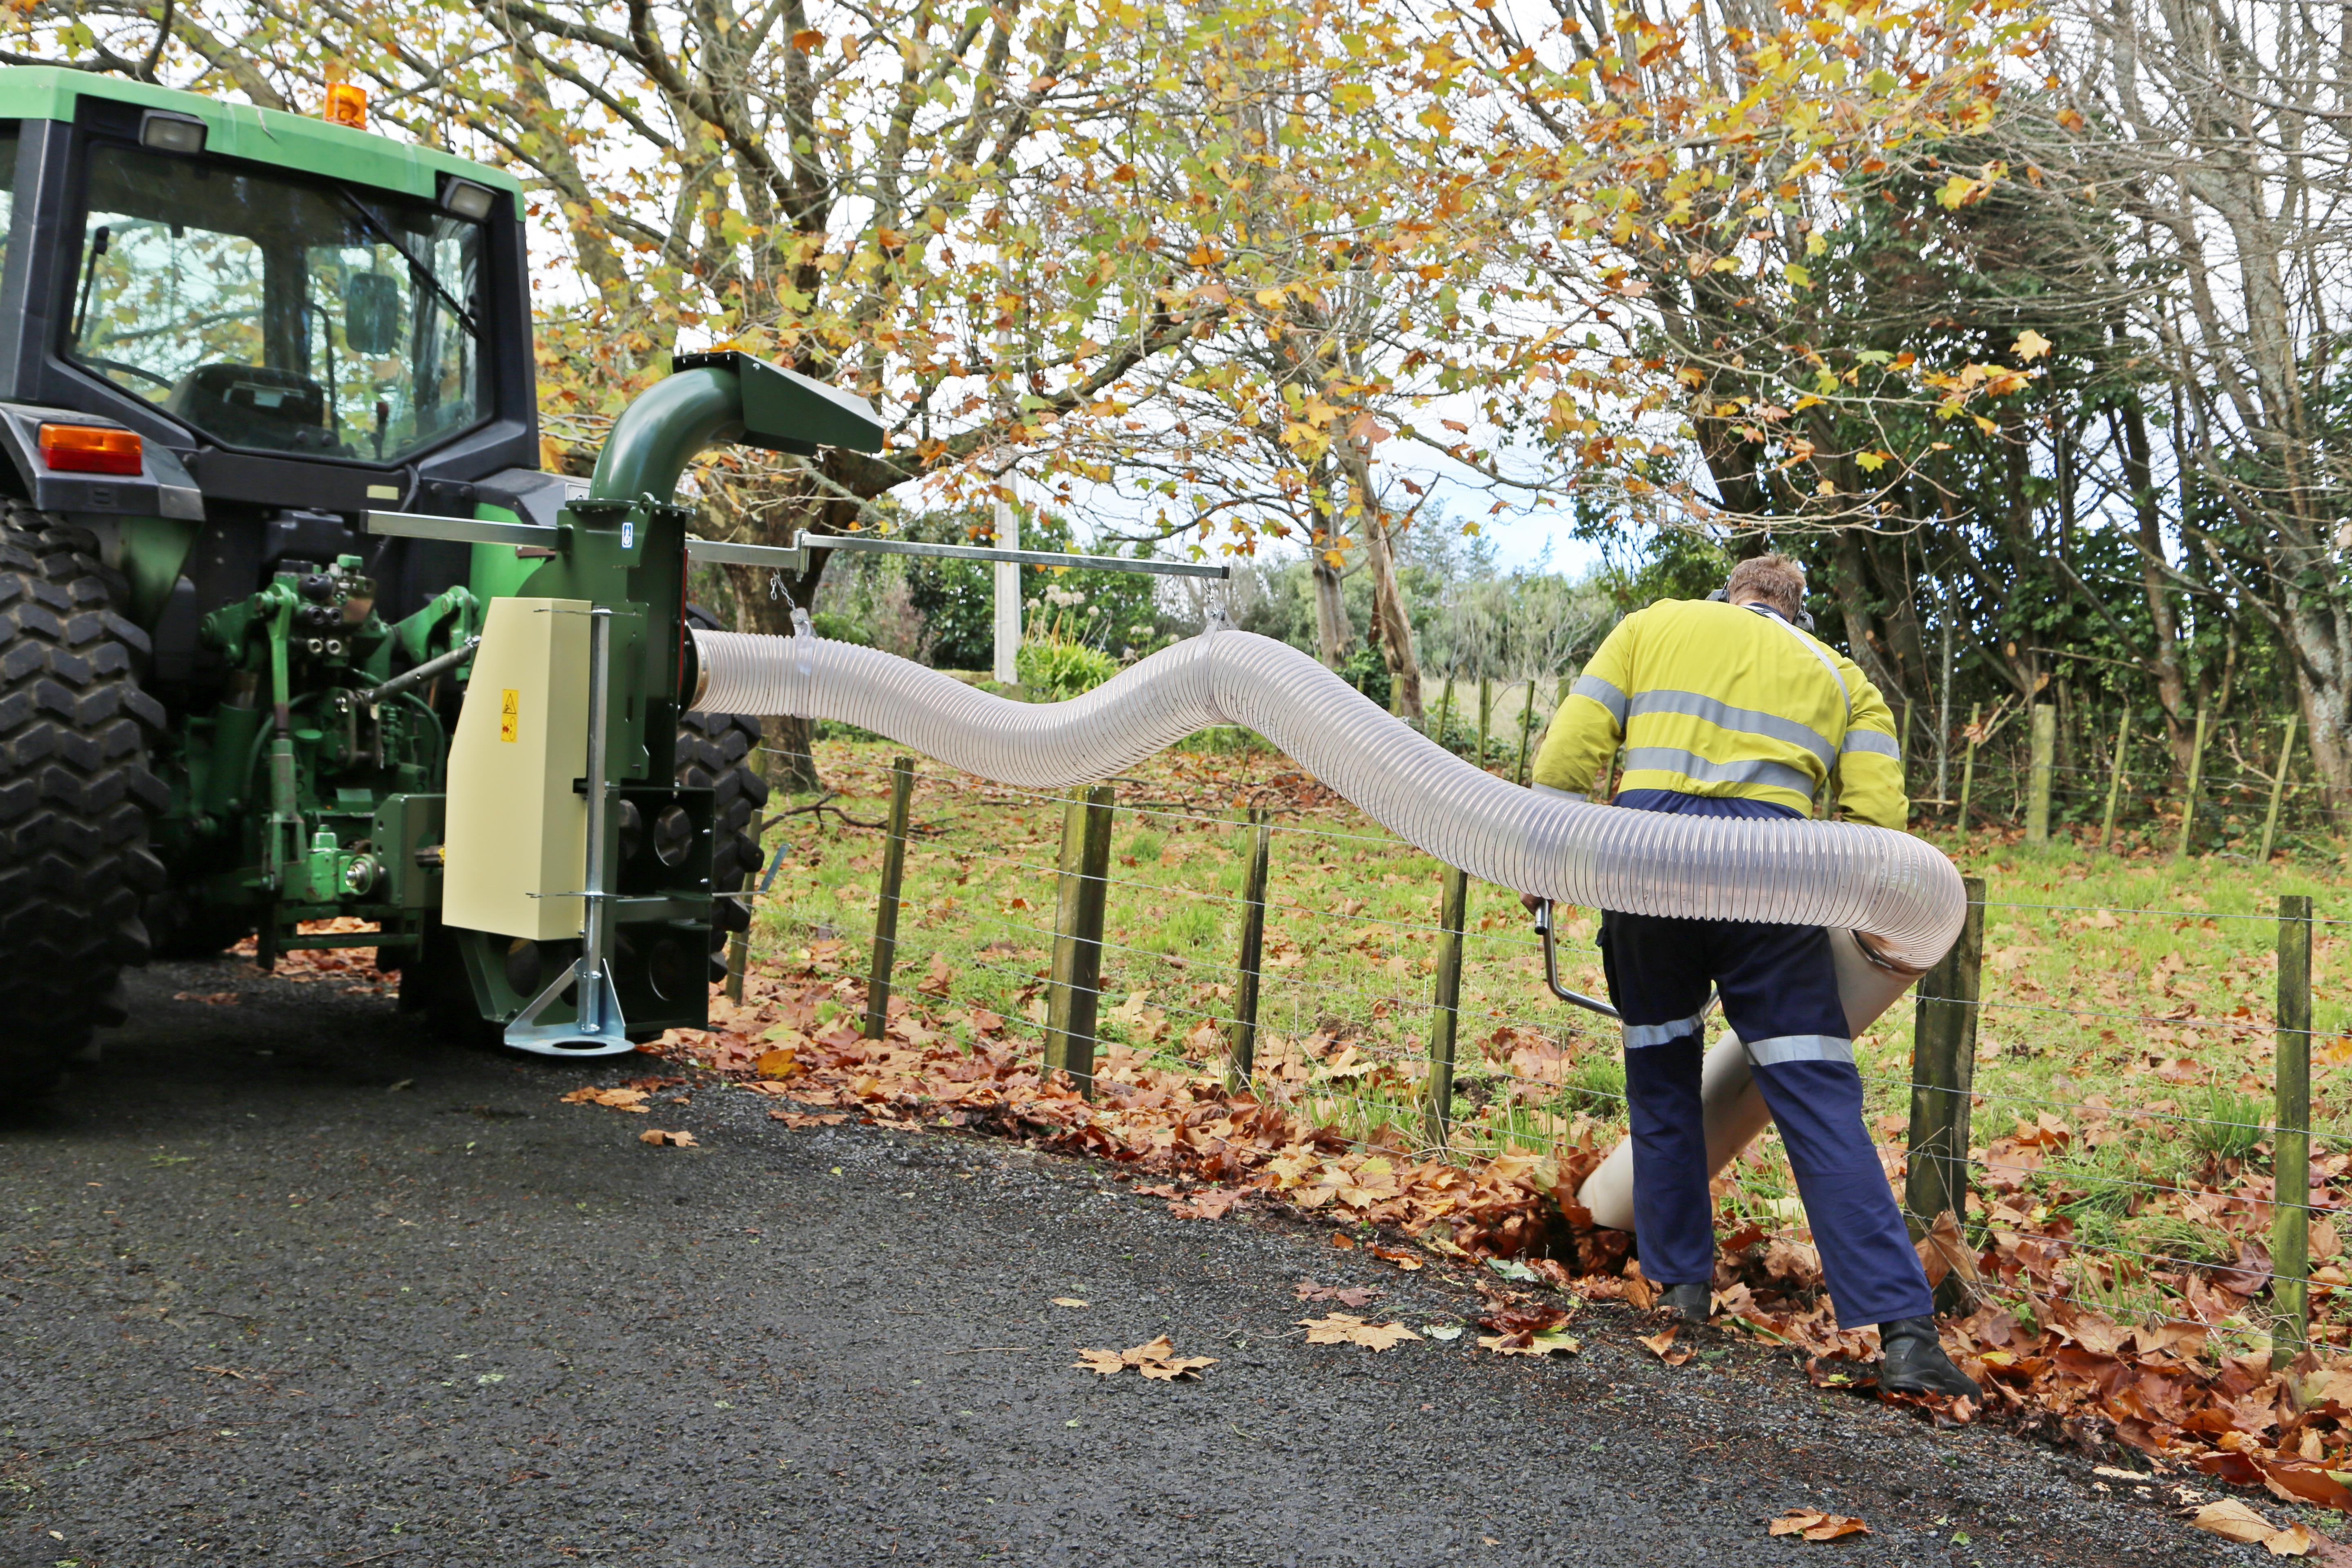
[1968, 767]
[886, 908]
[2045, 751]
[2291, 1136]
[2278, 792]
[1242, 1053]
[2196, 770]
[739, 959]
[1444, 1015]
[1444, 712]
[1527, 731]
[2115, 781]
[1943, 1076]
[1076, 1000]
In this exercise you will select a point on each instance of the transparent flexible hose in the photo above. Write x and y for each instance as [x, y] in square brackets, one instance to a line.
[1902, 893]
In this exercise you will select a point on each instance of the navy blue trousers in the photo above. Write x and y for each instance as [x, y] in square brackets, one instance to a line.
[1779, 996]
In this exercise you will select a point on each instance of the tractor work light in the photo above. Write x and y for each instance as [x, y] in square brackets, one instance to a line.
[346, 105]
[91, 449]
[467, 200]
[168, 133]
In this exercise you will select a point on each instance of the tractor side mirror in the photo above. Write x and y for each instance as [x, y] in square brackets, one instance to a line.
[372, 312]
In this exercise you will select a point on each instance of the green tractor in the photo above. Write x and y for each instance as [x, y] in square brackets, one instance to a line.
[270, 452]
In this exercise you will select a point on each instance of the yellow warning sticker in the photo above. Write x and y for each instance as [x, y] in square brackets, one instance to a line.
[509, 712]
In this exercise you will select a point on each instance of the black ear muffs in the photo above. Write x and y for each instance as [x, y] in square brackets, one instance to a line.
[1803, 620]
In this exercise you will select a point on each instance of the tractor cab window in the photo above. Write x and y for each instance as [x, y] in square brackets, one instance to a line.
[7, 183]
[277, 315]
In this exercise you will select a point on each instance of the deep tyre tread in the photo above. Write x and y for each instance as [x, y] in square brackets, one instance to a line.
[75, 795]
[719, 751]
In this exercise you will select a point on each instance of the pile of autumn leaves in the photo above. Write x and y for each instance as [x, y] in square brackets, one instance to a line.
[2068, 1373]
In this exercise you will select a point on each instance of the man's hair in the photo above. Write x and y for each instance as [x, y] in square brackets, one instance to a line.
[1774, 579]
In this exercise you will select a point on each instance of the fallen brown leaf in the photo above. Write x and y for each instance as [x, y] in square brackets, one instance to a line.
[810, 1119]
[1814, 1525]
[1661, 1346]
[1341, 1329]
[210, 998]
[1342, 1240]
[1211, 1203]
[1403, 1258]
[1546, 1342]
[1640, 1294]
[2233, 1521]
[1346, 1295]
[778, 1063]
[675, 1140]
[612, 1099]
[1070, 1301]
[2294, 1540]
[1156, 1361]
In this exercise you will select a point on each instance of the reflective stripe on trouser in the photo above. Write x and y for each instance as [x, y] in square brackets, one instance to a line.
[1779, 993]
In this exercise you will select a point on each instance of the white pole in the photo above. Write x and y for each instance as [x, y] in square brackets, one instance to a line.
[1008, 593]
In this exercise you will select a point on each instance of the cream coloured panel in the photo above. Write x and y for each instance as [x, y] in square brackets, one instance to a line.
[516, 825]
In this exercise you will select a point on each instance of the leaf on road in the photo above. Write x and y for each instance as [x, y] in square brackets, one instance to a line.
[782, 1062]
[1536, 1329]
[1214, 1203]
[1814, 1525]
[1346, 1295]
[810, 1119]
[1341, 1329]
[1661, 1345]
[1640, 1294]
[675, 1140]
[1071, 1301]
[613, 1098]
[2294, 1540]
[1156, 1360]
[1550, 1341]
[2233, 1521]
[1402, 1257]
[210, 998]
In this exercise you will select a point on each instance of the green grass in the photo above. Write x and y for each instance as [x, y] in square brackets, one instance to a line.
[2126, 996]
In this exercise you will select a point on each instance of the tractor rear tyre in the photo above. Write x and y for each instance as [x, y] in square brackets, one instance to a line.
[75, 796]
[721, 751]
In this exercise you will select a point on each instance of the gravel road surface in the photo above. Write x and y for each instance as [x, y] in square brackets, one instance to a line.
[286, 1281]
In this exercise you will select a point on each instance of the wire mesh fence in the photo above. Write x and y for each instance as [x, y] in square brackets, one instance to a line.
[2109, 1096]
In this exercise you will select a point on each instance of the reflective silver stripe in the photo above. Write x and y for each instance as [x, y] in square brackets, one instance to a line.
[1603, 692]
[1870, 740]
[1724, 716]
[1691, 765]
[1782, 1049]
[1638, 1036]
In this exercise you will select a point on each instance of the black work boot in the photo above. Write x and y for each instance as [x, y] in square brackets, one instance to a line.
[1688, 1301]
[1913, 1361]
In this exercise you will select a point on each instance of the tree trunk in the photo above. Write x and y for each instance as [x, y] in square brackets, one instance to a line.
[2164, 660]
[1391, 626]
[1333, 635]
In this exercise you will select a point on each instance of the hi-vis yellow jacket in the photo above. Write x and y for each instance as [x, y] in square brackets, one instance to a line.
[1714, 698]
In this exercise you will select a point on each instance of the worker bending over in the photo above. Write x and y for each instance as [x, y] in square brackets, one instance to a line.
[1730, 710]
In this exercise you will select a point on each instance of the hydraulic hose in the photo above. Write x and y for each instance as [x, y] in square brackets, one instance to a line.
[1901, 893]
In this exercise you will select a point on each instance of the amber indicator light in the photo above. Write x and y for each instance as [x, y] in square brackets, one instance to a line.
[90, 449]
[346, 105]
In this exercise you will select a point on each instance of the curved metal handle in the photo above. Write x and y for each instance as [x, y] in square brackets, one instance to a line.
[1552, 967]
